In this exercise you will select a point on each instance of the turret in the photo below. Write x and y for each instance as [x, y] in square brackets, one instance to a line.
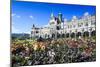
[60, 17]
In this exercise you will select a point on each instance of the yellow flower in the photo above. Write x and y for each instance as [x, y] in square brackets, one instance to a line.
[35, 46]
[42, 47]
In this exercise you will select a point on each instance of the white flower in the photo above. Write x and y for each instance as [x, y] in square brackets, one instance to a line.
[29, 62]
[26, 57]
[57, 45]
[51, 53]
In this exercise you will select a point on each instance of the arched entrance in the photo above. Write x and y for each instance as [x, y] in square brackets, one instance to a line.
[93, 33]
[86, 34]
[53, 35]
[67, 35]
[58, 35]
[72, 35]
[63, 35]
[78, 34]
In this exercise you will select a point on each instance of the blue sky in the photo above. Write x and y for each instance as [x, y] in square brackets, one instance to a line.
[25, 14]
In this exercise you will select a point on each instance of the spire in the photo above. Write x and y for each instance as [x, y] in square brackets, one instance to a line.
[52, 15]
[33, 25]
[52, 18]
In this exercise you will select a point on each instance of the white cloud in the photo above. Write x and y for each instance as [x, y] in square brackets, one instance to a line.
[46, 25]
[31, 16]
[65, 20]
[18, 16]
[15, 30]
[28, 32]
[13, 14]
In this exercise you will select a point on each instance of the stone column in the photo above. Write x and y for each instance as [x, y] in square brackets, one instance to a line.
[90, 32]
[75, 33]
[55, 34]
[82, 34]
[70, 35]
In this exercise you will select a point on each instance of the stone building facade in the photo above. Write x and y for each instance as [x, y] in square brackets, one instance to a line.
[60, 27]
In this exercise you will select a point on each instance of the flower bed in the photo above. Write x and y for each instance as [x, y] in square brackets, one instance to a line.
[52, 52]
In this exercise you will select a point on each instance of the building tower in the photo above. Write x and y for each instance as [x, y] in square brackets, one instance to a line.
[33, 31]
[59, 21]
[60, 17]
